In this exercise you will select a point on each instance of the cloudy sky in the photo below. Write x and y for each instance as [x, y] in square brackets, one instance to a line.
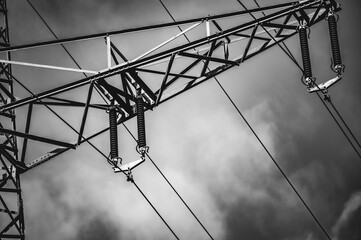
[198, 139]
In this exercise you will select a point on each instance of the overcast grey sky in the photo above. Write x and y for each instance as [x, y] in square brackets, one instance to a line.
[197, 139]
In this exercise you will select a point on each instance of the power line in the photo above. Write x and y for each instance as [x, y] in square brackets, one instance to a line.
[160, 216]
[291, 57]
[339, 125]
[260, 141]
[170, 184]
[62, 45]
[343, 121]
[275, 162]
[255, 134]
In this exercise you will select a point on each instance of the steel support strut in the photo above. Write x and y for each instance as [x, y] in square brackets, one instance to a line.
[11, 203]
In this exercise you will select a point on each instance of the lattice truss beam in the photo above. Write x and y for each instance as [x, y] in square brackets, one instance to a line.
[216, 44]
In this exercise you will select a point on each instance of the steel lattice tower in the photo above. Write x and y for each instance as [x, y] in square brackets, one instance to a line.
[11, 207]
[123, 83]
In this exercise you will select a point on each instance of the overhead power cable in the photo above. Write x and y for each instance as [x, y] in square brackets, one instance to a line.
[62, 45]
[165, 178]
[277, 165]
[343, 121]
[339, 125]
[288, 54]
[273, 159]
[145, 197]
[260, 141]
[170, 184]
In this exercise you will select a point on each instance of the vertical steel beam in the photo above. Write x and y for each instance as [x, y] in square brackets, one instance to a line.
[11, 204]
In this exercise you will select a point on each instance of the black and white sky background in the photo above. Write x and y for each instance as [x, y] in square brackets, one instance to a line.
[198, 139]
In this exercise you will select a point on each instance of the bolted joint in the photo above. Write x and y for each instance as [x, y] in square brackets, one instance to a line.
[309, 81]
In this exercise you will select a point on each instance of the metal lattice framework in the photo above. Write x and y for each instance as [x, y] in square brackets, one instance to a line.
[159, 74]
[11, 207]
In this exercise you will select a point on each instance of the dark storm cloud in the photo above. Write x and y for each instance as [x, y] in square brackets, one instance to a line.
[97, 229]
[248, 192]
[85, 17]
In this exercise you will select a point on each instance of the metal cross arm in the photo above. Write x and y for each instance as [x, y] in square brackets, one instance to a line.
[125, 85]
[204, 58]
[129, 68]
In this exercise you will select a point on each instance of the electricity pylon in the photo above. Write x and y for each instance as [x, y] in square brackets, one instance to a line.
[217, 45]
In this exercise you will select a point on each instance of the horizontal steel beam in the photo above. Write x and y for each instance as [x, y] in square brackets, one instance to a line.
[145, 28]
[37, 138]
[130, 66]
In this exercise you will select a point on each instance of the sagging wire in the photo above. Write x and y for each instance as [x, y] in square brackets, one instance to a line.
[273, 159]
[175, 191]
[171, 185]
[62, 45]
[131, 179]
[160, 216]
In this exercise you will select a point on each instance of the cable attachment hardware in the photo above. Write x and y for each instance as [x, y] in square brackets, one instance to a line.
[307, 78]
[142, 148]
[129, 175]
[127, 168]
[336, 61]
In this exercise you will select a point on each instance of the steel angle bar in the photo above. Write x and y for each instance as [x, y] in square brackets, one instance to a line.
[251, 37]
[27, 128]
[209, 54]
[162, 73]
[167, 41]
[114, 93]
[165, 78]
[47, 66]
[146, 28]
[212, 59]
[37, 138]
[85, 113]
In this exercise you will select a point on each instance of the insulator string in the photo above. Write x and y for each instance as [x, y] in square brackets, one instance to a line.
[335, 46]
[305, 52]
[113, 133]
[141, 123]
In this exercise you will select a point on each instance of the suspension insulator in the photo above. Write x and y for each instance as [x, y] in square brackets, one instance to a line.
[336, 54]
[305, 53]
[113, 133]
[141, 123]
